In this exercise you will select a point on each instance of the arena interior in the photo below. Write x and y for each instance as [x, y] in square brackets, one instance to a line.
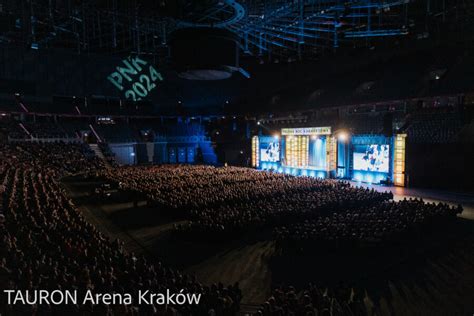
[264, 157]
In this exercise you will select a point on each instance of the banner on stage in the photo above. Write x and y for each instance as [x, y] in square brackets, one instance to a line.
[306, 131]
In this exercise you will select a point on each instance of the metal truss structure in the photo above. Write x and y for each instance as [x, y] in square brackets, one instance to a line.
[223, 14]
[293, 29]
[295, 25]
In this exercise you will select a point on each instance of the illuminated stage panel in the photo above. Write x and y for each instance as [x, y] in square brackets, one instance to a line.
[399, 160]
[291, 151]
[331, 149]
[317, 152]
[297, 151]
[303, 151]
[255, 153]
[299, 142]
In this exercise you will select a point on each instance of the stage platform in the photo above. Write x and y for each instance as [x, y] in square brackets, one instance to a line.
[295, 171]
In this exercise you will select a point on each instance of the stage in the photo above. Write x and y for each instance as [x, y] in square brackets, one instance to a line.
[322, 152]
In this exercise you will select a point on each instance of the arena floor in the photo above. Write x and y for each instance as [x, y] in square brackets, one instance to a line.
[434, 276]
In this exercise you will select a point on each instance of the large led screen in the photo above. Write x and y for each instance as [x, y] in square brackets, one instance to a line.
[372, 158]
[270, 152]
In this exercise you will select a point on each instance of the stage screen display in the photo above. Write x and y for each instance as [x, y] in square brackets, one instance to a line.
[270, 152]
[372, 158]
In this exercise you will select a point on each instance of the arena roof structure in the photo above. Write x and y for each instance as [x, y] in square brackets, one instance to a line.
[291, 29]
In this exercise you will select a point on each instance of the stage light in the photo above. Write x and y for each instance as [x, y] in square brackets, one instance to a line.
[276, 137]
[370, 178]
[358, 177]
[342, 137]
[258, 123]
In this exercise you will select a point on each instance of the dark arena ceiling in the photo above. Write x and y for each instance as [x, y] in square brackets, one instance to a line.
[246, 54]
[287, 29]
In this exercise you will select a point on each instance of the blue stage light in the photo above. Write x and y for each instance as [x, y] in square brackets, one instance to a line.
[369, 178]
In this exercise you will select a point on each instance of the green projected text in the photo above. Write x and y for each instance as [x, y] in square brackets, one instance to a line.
[136, 78]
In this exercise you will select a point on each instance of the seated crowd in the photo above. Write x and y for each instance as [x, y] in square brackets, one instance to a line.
[304, 210]
[382, 222]
[314, 301]
[231, 198]
[46, 243]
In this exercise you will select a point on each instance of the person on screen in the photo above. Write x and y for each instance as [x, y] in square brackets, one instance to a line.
[273, 151]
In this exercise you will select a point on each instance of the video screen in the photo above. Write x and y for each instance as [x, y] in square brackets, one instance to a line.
[372, 158]
[270, 152]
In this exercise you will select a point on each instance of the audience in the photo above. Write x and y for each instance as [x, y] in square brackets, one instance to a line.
[382, 222]
[231, 198]
[314, 301]
[47, 244]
